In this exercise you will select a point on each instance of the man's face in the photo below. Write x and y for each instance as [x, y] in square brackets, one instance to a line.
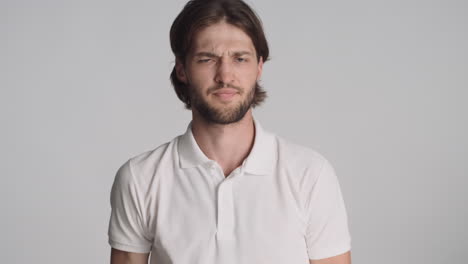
[221, 71]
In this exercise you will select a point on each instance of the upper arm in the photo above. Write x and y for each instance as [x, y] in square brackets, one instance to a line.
[327, 233]
[128, 225]
[344, 258]
[124, 257]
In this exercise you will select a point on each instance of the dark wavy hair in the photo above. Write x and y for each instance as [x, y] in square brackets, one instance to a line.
[199, 14]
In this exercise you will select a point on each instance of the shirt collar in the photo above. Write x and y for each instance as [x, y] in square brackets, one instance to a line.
[260, 161]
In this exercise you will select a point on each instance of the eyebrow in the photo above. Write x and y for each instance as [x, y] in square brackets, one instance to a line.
[212, 55]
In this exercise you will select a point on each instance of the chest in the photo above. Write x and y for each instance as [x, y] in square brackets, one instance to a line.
[203, 209]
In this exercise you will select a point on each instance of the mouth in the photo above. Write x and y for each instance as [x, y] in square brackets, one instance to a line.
[225, 93]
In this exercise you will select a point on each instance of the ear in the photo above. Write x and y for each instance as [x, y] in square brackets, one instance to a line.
[260, 68]
[180, 71]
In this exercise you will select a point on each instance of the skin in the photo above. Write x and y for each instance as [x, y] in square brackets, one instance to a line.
[222, 56]
[344, 258]
[123, 257]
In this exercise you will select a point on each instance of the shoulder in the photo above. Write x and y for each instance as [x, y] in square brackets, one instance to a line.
[151, 158]
[139, 169]
[302, 165]
[299, 157]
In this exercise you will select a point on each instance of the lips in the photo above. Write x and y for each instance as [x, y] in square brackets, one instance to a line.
[225, 93]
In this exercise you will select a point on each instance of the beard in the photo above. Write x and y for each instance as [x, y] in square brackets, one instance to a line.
[221, 115]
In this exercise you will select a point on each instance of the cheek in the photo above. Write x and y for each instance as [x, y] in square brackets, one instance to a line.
[249, 74]
[201, 74]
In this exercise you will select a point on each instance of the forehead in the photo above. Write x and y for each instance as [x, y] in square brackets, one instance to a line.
[221, 38]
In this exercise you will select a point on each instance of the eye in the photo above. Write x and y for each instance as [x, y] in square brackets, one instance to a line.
[203, 60]
[239, 59]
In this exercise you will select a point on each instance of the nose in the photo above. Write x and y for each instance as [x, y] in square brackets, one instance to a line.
[224, 73]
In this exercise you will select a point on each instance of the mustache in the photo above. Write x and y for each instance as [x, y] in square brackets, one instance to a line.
[223, 85]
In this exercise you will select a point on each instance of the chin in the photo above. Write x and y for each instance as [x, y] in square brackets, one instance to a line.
[224, 115]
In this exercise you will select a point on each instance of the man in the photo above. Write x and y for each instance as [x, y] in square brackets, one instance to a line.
[226, 191]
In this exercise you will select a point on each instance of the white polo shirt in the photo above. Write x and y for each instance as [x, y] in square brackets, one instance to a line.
[283, 205]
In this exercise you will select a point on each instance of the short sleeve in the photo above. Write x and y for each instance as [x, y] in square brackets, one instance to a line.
[327, 233]
[127, 231]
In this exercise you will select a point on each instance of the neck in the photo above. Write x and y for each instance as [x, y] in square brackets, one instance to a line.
[229, 144]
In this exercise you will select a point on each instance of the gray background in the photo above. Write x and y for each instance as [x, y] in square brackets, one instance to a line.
[378, 87]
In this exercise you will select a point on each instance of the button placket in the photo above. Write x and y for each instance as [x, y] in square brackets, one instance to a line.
[225, 223]
[225, 203]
